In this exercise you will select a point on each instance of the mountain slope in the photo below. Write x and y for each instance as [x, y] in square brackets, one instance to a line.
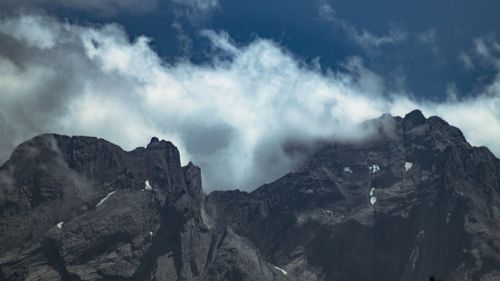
[413, 200]
[83, 209]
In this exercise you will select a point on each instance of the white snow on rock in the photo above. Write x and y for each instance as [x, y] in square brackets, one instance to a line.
[328, 212]
[374, 168]
[60, 225]
[104, 199]
[373, 199]
[147, 186]
[151, 233]
[281, 270]
[348, 170]
[408, 166]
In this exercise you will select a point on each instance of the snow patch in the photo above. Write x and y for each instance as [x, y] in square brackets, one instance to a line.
[373, 199]
[60, 225]
[281, 270]
[374, 168]
[206, 219]
[147, 186]
[348, 170]
[328, 212]
[408, 166]
[151, 233]
[104, 199]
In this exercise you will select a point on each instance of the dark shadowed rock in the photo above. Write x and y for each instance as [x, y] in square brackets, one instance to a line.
[414, 119]
[80, 208]
[414, 200]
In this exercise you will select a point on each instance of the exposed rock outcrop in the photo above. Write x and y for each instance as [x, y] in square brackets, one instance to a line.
[413, 200]
[80, 208]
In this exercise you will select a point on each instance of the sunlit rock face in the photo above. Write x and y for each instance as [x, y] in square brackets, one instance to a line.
[413, 200]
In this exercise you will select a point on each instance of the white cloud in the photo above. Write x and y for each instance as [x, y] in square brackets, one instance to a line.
[241, 119]
[34, 31]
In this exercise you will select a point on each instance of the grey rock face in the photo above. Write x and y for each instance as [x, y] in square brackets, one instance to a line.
[413, 200]
[83, 209]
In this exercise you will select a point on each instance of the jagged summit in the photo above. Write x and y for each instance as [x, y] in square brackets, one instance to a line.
[401, 206]
[81, 208]
[414, 118]
[154, 140]
[416, 201]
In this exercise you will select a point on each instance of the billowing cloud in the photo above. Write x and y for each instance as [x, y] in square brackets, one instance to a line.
[246, 117]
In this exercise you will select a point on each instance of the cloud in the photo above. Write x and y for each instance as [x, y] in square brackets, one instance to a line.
[481, 48]
[428, 36]
[325, 11]
[466, 60]
[110, 8]
[36, 32]
[484, 54]
[362, 37]
[247, 117]
[202, 5]
[487, 50]
[368, 39]
[98, 7]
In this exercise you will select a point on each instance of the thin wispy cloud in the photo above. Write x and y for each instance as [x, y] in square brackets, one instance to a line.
[428, 36]
[111, 8]
[105, 8]
[466, 61]
[198, 4]
[362, 37]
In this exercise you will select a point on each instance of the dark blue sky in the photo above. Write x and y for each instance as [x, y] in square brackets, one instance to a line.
[426, 62]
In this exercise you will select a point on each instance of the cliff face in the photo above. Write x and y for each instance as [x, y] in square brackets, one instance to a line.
[81, 208]
[414, 200]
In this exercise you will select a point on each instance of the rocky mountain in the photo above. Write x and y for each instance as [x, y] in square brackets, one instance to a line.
[413, 200]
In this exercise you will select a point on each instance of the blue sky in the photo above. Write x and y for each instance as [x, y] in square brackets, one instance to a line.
[426, 59]
[240, 86]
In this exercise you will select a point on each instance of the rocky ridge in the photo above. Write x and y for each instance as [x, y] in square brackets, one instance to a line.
[413, 200]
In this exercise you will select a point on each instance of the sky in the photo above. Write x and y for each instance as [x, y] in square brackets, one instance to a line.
[244, 89]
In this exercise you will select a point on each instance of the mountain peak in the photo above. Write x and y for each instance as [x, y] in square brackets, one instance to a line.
[414, 119]
[154, 140]
[382, 209]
